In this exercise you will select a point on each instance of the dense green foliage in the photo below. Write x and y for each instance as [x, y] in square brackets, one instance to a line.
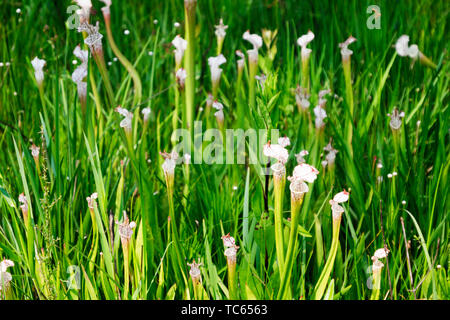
[86, 152]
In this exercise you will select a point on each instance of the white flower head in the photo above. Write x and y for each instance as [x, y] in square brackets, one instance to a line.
[180, 46]
[127, 122]
[181, 76]
[322, 94]
[336, 209]
[5, 277]
[170, 162]
[276, 151]
[126, 228]
[106, 8]
[221, 29]
[381, 253]
[396, 119]
[301, 156]
[38, 66]
[331, 155]
[187, 158]
[345, 51]
[94, 38]
[194, 272]
[254, 39]
[85, 10]
[261, 80]
[241, 60]
[146, 113]
[377, 265]
[304, 172]
[320, 114]
[220, 116]
[302, 98]
[284, 142]
[83, 55]
[217, 105]
[403, 49]
[214, 65]
[303, 41]
[228, 241]
[24, 202]
[91, 200]
[34, 151]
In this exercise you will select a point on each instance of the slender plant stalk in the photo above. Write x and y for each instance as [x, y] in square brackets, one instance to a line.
[189, 56]
[125, 62]
[321, 284]
[293, 239]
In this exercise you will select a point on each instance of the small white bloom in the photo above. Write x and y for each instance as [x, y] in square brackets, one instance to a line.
[150, 53]
[284, 142]
[394, 173]
[235, 188]
[300, 156]
[341, 197]
[320, 114]
[38, 66]
[219, 116]
[170, 162]
[106, 9]
[180, 46]
[303, 41]
[336, 209]
[305, 172]
[302, 98]
[276, 151]
[345, 51]
[228, 241]
[34, 151]
[94, 38]
[403, 49]
[241, 61]
[396, 119]
[214, 65]
[91, 200]
[127, 122]
[389, 175]
[146, 113]
[187, 158]
[379, 165]
[176, 24]
[155, 21]
[126, 32]
[261, 80]
[85, 10]
[126, 228]
[331, 155]
[324, 164]
[18, 10]
[181, 77]
[221, 29]
[24, 202]
[381, 253]
[217, 105]
[5, 277]
[403, 202]
[254, 39]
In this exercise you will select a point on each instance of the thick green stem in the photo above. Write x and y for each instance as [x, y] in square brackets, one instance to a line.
[289, 262]
[321, 284]
[189, 10]
[279, 183]
[346, 63]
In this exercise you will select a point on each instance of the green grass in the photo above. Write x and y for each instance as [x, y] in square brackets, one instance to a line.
[83, 154]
